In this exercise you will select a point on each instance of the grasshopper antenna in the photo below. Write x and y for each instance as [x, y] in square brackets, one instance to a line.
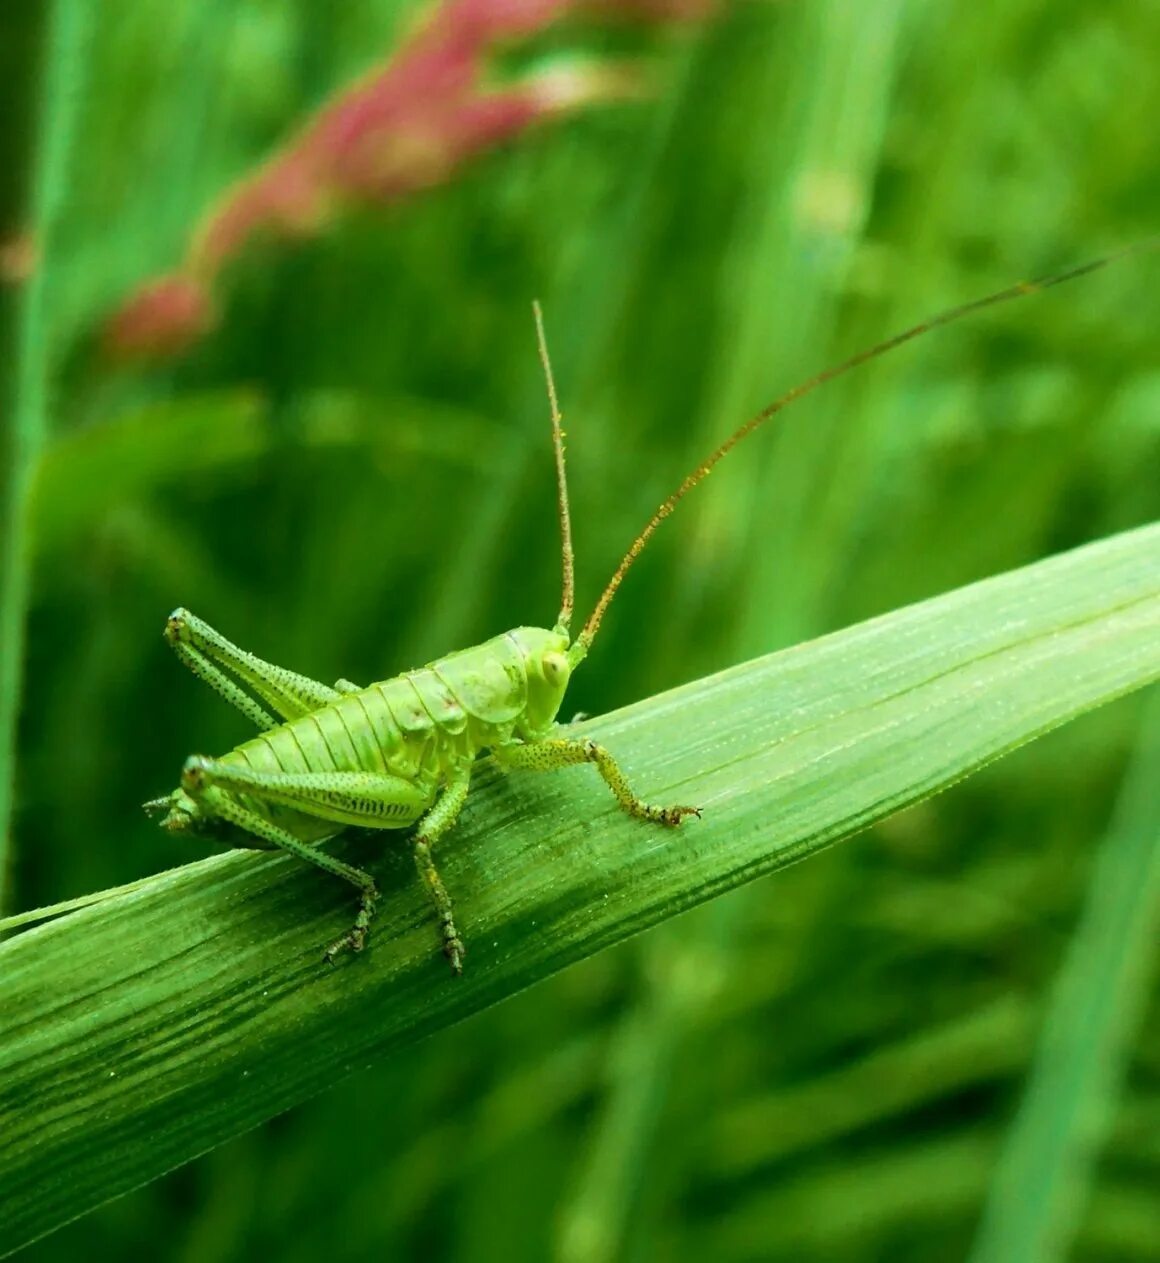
[592, 626]
[567, 599]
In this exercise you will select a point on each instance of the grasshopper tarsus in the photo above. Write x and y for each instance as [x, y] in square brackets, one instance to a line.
[354, 940]
[670, 817]
[453, 947]
[454, 950]
[349, 942]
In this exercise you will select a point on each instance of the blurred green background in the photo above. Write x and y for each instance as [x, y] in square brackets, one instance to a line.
[353, 476]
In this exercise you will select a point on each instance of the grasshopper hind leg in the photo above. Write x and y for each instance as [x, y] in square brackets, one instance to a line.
[221, 664]
[198, 781]
[347, 798]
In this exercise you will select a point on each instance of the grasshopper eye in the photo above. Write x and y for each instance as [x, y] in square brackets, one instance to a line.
[555, 667]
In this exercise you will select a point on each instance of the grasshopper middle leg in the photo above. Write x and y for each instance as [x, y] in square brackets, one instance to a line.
[432, 827]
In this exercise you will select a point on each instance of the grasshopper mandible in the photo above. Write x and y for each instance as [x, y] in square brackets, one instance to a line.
[401, 751]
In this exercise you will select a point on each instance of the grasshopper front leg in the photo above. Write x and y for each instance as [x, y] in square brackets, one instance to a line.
[557, 752]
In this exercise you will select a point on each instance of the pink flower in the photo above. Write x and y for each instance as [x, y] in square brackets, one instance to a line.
[407, 125]
[19, 258]
[164, 317]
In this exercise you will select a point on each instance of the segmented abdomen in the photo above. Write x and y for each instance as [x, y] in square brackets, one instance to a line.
[418, 725]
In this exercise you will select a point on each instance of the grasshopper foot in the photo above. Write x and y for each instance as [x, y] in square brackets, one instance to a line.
[454, 950]
[351, 941]
[669, 816]
[354, 940]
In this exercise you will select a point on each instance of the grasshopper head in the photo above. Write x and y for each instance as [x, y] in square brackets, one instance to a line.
[548, 669]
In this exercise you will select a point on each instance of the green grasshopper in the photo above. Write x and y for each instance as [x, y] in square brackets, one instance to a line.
[401, 752]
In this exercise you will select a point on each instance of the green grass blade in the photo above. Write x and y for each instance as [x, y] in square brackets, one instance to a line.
[1045, 1174]
[143, 1031]
[21, 445]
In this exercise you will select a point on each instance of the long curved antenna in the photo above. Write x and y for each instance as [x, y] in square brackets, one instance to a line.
[592, 626]
[568, 596]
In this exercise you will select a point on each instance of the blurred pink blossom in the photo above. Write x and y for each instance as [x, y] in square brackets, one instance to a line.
[406, 125]
[19, 258]
[163, 317]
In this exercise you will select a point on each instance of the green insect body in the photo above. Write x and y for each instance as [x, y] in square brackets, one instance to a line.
[400, 753]
[397, 753]
[419, 729]
[384, 756]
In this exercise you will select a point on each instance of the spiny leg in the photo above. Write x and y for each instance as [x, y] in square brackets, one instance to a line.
[432, 827]
[361, 798]
[225, 807]
[557, 752]
[222, 685]
[209, 655]
[367, 799]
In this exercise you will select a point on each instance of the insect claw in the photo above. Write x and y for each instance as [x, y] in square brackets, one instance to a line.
[454, 950]
[352, 941]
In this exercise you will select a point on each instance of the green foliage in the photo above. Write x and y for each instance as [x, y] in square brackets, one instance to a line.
[353, 475]
[792, 752]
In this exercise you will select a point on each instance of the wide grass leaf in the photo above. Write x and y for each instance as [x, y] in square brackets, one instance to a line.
[151, 1027]
[1046, 1171]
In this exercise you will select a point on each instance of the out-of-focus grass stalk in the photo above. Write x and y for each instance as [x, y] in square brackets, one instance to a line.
[1045, 1175]
[32, 356]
